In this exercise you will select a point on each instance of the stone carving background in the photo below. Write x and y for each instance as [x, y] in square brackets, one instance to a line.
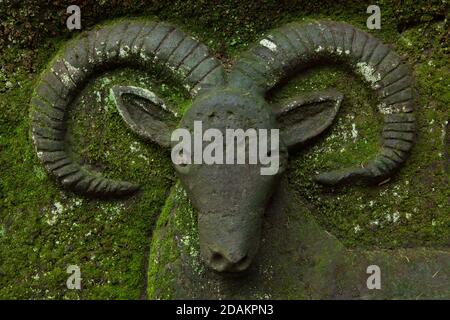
[43, 229]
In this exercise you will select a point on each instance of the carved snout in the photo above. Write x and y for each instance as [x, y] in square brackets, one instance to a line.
[229, 241]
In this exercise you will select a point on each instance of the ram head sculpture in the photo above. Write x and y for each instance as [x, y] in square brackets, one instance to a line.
[230, 199]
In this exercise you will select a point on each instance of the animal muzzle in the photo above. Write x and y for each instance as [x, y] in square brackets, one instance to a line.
[229, 242]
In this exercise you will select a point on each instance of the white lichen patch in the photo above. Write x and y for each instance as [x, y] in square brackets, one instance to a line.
[143, 157]
[263, 296]
[124, 52]
[369, 73]
[374, 223]
[392, 217]
[444, 131]
[144, 56]
[135, 147]
[135, 49]
[319, 49]
[98, 53]
[59, 209]
[187, 87]
[98, 97]
[55, 212]
[406, 41]
[194, 91]
[388, 217]
[390, 109]
[338, 138]
[71, 68]
[354, 131]
[65, 79]
[76, 202]
[395, 216]
[112, 210]
[268, 44]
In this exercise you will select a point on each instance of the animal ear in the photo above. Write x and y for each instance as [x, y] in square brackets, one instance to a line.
[145, 113]
[305, 117]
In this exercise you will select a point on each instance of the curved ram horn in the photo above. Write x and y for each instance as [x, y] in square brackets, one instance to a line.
[133, 43]
[296, 45]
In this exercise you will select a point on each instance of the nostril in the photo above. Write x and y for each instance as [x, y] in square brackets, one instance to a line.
[219, 262]
[243, 264]
[216, 257]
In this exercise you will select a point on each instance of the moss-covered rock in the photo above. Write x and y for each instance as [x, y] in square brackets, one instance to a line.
[43, 228]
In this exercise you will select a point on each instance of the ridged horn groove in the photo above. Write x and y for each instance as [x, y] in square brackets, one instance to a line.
[124, 43]
[295, 46]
